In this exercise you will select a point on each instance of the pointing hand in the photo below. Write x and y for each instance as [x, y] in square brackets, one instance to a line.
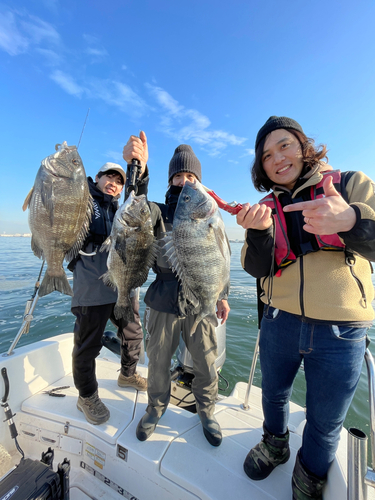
[328, 215]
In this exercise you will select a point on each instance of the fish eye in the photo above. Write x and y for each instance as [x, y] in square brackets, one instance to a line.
[187, 198]
[143, 211]
[75, 161]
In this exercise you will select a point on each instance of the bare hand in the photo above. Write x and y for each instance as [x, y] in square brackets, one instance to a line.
[255, 217]
[328, 215]
[137, 148]
[222, 310]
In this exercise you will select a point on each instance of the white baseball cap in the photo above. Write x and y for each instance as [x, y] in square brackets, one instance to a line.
[114, 166]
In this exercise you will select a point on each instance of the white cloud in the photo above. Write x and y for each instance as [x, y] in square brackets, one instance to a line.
[111, 92]
[11, 40]
[39, 30]
[96, 52]
[95, 48]
[18, 34]
[117, 94]
[197, 127]
[52, 57]
[114, 155]
[248, 152]
[67, 83]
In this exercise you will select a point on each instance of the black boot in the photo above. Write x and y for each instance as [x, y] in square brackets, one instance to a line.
[146, 426]
[265, 456]
[212, 431]
[305, 484]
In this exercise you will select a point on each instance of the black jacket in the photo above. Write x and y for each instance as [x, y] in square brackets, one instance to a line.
[88, 288]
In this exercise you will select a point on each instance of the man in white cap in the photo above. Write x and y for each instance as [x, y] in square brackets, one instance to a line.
[93, 302]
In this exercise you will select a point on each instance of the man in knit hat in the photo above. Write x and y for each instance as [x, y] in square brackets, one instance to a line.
[167, 313]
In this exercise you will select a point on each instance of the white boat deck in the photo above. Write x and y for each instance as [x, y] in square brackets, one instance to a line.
[176, 462]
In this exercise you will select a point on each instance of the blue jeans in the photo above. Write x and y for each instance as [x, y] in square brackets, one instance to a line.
[333, 357]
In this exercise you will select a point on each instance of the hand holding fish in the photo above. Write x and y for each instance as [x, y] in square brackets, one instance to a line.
[328, 215]
[222, 310]
[255, 217]
[137, 148]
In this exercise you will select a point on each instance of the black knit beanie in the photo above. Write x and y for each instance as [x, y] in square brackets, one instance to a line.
[275, 122]
[184, 160]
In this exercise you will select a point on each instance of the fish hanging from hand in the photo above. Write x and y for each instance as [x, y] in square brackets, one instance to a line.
[60, 209]
[198, 251]
[132, 249]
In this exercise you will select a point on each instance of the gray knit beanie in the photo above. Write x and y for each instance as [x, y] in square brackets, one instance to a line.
[184, 160]
[275, 122]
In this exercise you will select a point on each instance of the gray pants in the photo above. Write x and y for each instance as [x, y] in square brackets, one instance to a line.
[164, 334]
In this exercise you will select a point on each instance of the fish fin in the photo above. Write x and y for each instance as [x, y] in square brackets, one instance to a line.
[220, 237]
[26, 203]
[107, 279]
[73, 252]
[106, 245]
[171, 256]
[52, 283]
[38, 252]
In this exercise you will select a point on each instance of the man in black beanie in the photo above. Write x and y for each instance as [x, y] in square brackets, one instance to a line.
[167, 313]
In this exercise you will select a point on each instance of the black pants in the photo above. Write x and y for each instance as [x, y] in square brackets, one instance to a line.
[88, 331]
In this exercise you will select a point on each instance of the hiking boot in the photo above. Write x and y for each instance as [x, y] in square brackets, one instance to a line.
[306, 485]
[265, 456]
[212, 431]
[146, 427]
[136, 381]
[94, 409]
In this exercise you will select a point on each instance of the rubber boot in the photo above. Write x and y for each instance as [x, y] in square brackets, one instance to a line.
[146, 426]
[265, 456]
[305, 484]
[212, 431]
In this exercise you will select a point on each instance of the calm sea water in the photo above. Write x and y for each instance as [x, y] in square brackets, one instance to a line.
[19, 269]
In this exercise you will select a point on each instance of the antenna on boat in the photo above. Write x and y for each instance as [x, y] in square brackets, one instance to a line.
[83, 128]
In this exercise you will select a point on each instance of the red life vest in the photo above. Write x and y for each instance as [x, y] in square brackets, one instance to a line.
[284, 256]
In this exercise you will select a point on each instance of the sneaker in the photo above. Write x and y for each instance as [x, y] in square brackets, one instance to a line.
[136, 381]
[266, 455]
[94, 409]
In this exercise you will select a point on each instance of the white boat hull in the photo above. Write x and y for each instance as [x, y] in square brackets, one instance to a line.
[176, 462]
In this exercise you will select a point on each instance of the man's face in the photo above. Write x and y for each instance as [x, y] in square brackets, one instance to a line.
[180, 178]
[111, 184]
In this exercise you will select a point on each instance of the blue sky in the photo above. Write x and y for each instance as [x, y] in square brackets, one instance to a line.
[200, 72]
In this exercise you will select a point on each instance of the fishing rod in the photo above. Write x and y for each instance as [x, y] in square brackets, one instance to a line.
[133, 172]
[28, 314]
[83, 128]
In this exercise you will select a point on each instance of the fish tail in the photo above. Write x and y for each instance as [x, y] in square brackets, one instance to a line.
[211, 318]
[125, 312]
[52, 283]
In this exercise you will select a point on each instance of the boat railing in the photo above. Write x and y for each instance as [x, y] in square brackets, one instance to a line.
[359, 474]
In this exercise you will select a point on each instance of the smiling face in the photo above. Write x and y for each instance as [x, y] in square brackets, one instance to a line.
[282, 158]
[111, 184]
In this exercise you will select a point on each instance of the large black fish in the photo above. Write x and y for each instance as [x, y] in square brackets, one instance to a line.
[198, 250]
[60, 208]
[132, 250]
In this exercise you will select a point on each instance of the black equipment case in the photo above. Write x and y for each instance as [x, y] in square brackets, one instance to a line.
[34, 480]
